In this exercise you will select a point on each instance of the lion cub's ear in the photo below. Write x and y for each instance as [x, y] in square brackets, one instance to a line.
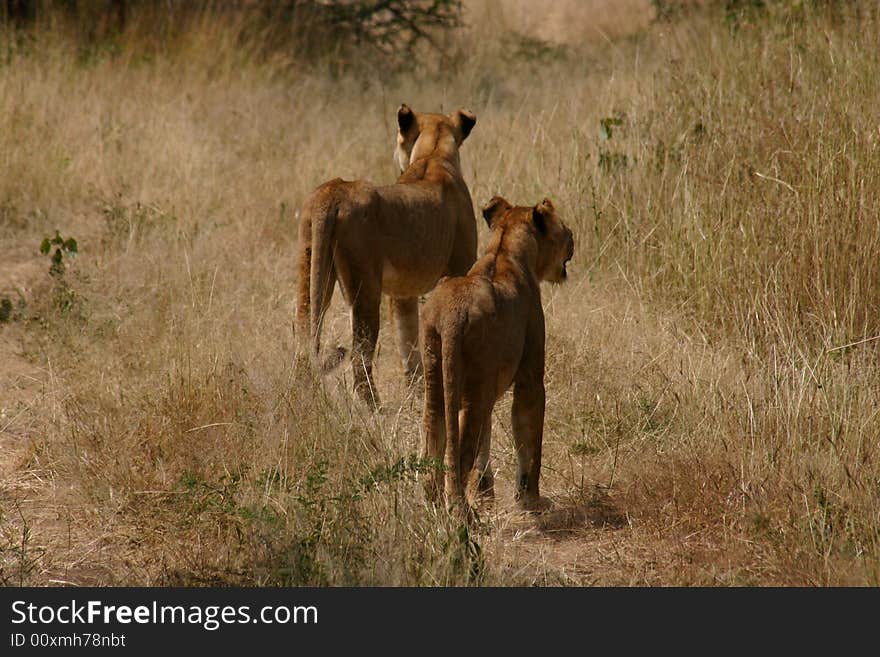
[464, 120]
[405, 117]
[541, 213]
[494, 209]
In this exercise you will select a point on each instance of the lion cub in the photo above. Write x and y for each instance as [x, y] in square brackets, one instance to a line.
[482, 333]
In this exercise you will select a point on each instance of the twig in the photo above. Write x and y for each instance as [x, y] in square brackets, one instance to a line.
[776, 180]
[852, 344]
[208, 426]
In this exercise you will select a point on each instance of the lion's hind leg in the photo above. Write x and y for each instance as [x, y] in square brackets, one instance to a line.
[365, 334]
[362, 287]
[476, 438]
[434, 417]
[452, 360]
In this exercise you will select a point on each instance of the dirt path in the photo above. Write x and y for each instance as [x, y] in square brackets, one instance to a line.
[22, 386]
[21, 383]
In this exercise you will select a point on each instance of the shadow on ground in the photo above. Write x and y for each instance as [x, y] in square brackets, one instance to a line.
[595, 510]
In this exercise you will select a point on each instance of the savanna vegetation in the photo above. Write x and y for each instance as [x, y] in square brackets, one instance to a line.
[713, 410]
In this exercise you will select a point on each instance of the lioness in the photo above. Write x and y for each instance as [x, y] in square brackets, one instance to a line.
[481, 333]
[398, 239]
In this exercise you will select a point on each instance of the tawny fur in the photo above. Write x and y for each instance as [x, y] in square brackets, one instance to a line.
[481, 334]
[396, 240]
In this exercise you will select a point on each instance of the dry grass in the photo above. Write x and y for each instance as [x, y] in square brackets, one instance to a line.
[701, 428]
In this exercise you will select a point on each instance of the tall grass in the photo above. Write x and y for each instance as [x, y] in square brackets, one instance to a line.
[708, 420]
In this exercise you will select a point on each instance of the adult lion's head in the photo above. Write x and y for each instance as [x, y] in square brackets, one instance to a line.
[419, 133]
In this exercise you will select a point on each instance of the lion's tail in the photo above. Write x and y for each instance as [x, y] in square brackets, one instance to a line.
[304, 269]
[317, 275]
[451, 357]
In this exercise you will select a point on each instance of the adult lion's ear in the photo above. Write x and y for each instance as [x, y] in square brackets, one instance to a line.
[541, 213]
[465, 120]
[405, 117]
[494, 209]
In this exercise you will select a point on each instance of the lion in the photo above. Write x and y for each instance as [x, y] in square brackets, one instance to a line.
[397, 239]
[482, 333]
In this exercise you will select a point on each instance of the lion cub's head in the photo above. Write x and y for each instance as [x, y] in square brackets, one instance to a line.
[419, 133]
[554, 240]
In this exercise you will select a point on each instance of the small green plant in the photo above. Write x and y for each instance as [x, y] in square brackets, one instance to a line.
[739, 13]
[5, 309]
[583, 448]
[404, 469]
[64, 249]
[607, 125]
[466, 553]
[664, 10]
[610, 160]
[18, 556]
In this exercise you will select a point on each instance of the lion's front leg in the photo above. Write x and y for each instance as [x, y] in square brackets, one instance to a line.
[527, 418]
[406, 317]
